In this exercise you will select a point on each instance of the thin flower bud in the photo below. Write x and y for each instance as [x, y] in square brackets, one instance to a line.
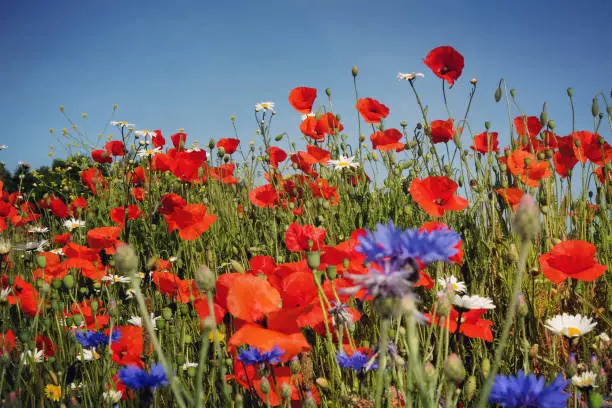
[126, 260]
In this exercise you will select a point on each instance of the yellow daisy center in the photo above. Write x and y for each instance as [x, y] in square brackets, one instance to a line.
[573, 331]
[454, 286]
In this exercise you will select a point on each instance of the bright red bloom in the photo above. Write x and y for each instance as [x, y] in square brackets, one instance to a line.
[103, 237]
[591, 146]
[371, 110]
[298, 236]
[191, 221]
[446, 63]
[305, 161]
[527, 126]
[264, 196]
[322, 156]
[137, 176]
[471, 324]
[138, 193]
[277, 155]
[62, 239]
[170, 202]
[51, 270]
[171, 285]
[127, 349]
[565, 158]
[387, 140]
[435, 195]
[517, 161]
[158, 139]
[486, 142]
[101, 156]
[442, 131]
[266, 340]
[250, 298]
[511, 195]
[535, 172]
[302, 98]
[201, 307]
[78, 205]
[228, 144]
[24, 295]
[328, 124]
[118, 214]
[571, 259]
[224, 173]
[178, 140]
[93, 178]
[59, 208]
[115, 148]
[7, 342]
[43, 342]
[188, 166]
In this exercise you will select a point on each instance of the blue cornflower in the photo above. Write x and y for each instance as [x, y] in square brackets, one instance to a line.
[253, 355]
[527, 391]
[357, 361]
[428, 247]
[136, 378]
[90, 338]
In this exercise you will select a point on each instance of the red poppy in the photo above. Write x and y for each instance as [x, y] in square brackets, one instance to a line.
[486, 142]
[435, 195]
[387, 140]
[328, 124]
[43, 342]
[178, 140]
[266, 340]
[178, 289]
[535, 172]
[201, 307]
[446, 63]
[309, 128]
[118, 214]
[277, 155]
[442, 131]
[302, 98]
[7, 342]
[94, 179]
[228, 144]
[527, 126]
[188, 166]
[321, 188]
[371, 110]
[224, 173]
[51, 270]
[304, 238]
[511, 195]
[101, 156]
[564, 159]
[264, 196]
[59, 208]
[103, 237]
[115, 148]
[571, 259]
[170, 202]
[128, 347]
[158, 139]
[78, 205]
[191, 221]
[23, 294]
[62, 239]
[138, 193]
[137, 176]
[305, 162]
[322, 156]
[599, 172]
[250, 298]
[471, 324]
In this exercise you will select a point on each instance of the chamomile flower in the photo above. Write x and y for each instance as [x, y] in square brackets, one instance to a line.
[137, 321]
[453, 283]
[2, 147]
[112, 396]
[189, 365]
[570, 325]
[343, 162]
[73, 224]
[88, 355]
[467, 302]
[57, 251]
[409, 77]
[144, 133]
[112, 279]
[265, 106]
[308, 115]
[122, 124]
[584, 381]
[4, 293]
[38, 230]
[36, 356]
[149, 152]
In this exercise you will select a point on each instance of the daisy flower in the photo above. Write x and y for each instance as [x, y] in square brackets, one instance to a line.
[137, 321]
[2, 147]
[38, 230]
[265, 106]
[467, 302]
[453, 283]
[112, 279]
[122, 124]
[148, 152]
[570, 325]
[343, 162]
[57, 251]
[73, 224]
[189, 365]
[409, 77]
[112, 396]
[88, 355]
[144, 133]
[584, 381]
[36, 356]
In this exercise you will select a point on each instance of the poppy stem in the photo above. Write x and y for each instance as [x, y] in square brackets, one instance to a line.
[382, 361]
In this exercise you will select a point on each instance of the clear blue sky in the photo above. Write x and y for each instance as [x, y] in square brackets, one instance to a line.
[192, 64]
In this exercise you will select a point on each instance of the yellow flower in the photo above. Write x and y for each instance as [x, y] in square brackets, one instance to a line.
[216, 334]
[53, 392]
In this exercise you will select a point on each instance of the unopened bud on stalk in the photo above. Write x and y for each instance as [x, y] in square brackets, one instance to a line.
[498, 94]
[570, 92]
[264, 386]
[595, 108]
[205, 278]
[513, 93]
[544, 115]
[313, 259]
[328, 91]
[454, 369]
[485, 367]
[470, 388]
[126, 260]
[355, 71]
[526, 220]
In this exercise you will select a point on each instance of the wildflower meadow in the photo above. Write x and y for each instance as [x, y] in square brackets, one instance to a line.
[423, 264]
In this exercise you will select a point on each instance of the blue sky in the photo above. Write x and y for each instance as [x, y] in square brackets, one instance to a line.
[192, 64]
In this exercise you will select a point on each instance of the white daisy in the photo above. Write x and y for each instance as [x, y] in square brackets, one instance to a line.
[137, 321]
[122, 124]
[308, 115]
[409, 77]
[472, 302]
[149, 152]
[73, 223]
[569, 325]
[453, 283]
[88, 355]
[57, 251]
[38, 230]
[343, 162]
[585, 381]
[265, 106]
[36, 356]
[2, 147]
[4, 293]
[604, 337]
[113, 396]
[112, 279]
[189, 365]
[172, 259]
[144, 133]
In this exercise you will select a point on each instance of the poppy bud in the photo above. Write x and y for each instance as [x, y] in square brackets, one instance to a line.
[278, 138]
[205, 279]
[523, 309]
[454, 369]
[355, 71]
[237, 266]
[570, 92]
[42, 261]
[264, 386]
[513, 93]
[470, 388]
[595, 108]
[526, 220]
[473, 81]
[332, 272]
[328, 91]
[313, 259]
[485, 367]
[126, 260]
[68, 281]
[498, 94]
[94, 306]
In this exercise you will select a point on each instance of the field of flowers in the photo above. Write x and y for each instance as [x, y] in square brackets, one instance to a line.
[421, 265]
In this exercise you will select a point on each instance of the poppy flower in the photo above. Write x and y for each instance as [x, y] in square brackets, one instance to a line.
[446, 63]
[137, 176]
[59, 208]
[93, 178]
[118, 214]
[599, 172]
[371, 110]
[309, 128]
[92, 320]
[564, 159]
[328, 124]
[128, 346]
[115, 148]
[78, 205]
[138, 193]
[486, 142]
[535, 172]
[265, 339]
[302, 98]
[7, 342]
[224, 173]
[571, 259]
[277, 155]
[158, 139]
[304, 238]
[264, 196]
[23, 294]
[62, 239]
[305, 162]
[191, 221]
[322, 156]
[178, 140]
[591, 146]
[201, 307]
[512, 196]
[103, 237]
[442, 131]
[250, 298]
[171, 285]
[101, 156]
[170, 202]
[471, 324]
[51, 270]
[387, 140]
[43, 342]
[435, 195]
[228, 144]
[528, 126]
